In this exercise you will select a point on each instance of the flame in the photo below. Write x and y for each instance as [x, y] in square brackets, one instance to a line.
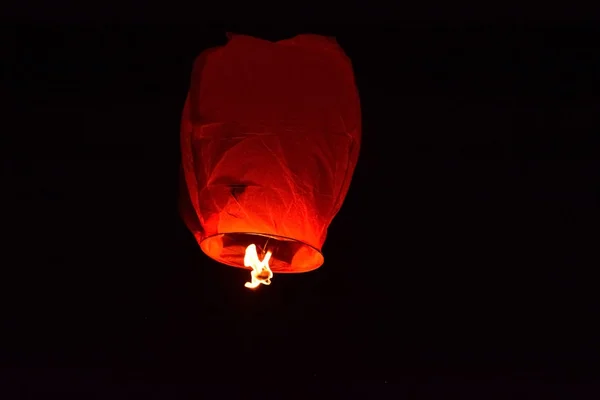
[261, 272]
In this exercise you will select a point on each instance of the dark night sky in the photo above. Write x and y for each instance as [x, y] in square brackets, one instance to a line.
[466, 247]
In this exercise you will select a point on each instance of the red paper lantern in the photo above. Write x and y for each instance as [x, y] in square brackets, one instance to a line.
[270, 137]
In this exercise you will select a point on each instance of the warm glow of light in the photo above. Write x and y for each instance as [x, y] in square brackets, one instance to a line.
[261, 272]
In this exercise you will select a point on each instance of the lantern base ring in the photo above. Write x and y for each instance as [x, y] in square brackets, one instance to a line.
[288, 255]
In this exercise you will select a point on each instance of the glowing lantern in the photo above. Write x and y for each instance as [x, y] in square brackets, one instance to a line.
[270, 137]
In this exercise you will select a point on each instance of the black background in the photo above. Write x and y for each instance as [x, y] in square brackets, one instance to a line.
[465, 252]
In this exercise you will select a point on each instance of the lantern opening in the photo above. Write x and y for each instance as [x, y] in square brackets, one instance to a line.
[287, 255]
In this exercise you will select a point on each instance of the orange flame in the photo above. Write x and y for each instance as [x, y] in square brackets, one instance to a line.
[261, 272]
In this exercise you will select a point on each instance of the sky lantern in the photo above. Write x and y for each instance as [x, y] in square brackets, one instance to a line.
[270, 137]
